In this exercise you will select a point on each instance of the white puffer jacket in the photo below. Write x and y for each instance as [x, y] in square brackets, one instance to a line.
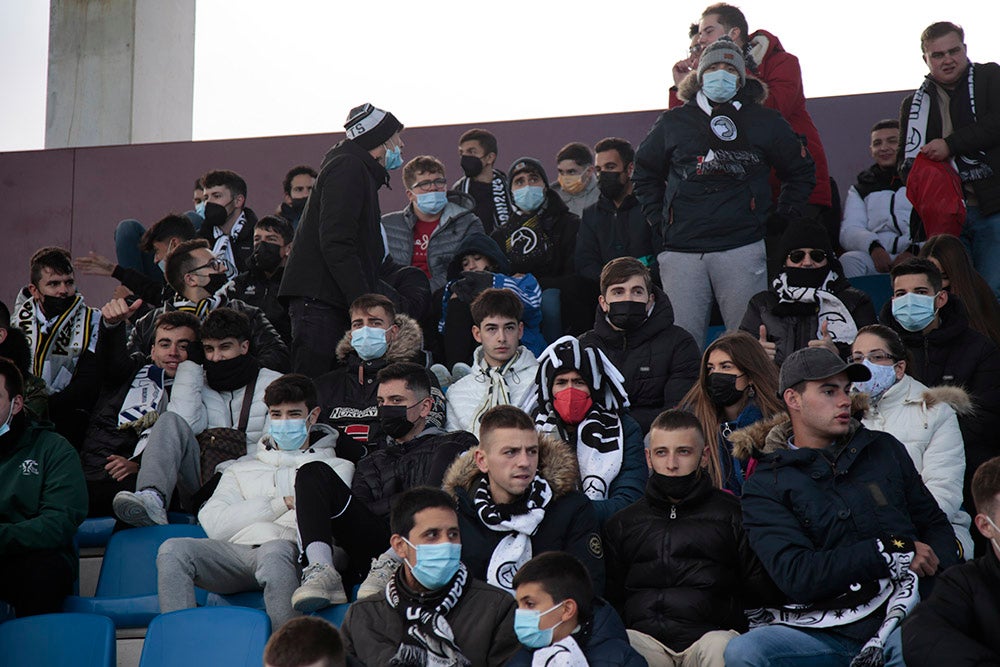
[248, 506]
[202, 407]
[883, 216]
[925, 421]
[465, 396]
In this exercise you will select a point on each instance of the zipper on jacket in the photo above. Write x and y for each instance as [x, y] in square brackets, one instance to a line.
[673, 511]
[895, 223]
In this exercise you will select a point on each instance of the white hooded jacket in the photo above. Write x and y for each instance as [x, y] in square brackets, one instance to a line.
[465, 396]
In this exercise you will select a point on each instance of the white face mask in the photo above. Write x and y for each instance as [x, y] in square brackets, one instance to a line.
[883, 377]
[994, 540]
[5, 427]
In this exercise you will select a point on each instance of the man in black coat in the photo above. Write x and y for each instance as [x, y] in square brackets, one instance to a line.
[944, 349]
[840, 519]
[229, 222]
[109, 456]
[634, 327]
[338, 244]
[957, 625]
[259, 284]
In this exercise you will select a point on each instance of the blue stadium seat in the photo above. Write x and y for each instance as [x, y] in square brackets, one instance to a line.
[217, 636]
[713, 332]
[57, 640]
[95, 532]
[126, 587]
[877, 286]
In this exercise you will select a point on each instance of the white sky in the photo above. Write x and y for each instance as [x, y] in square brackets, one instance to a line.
[297, 66]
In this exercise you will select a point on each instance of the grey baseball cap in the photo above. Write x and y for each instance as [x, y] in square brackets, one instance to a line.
[817, 363]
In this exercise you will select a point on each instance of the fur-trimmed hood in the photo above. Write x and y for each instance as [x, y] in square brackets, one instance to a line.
[557, 464]
[758, 438]
[408, 341]
[754, 90]
[956, 397]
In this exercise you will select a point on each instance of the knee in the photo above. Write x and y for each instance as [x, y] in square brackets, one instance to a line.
[741, 652]
[275, 557]
[174, 557]
[129, 229]
[311, 474]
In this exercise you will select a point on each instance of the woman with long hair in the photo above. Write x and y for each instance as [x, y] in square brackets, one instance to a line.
[962, 280]
[923, 418]
[737, 386]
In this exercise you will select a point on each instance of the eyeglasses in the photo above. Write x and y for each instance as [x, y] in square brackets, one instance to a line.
[695, 50]
[875, 356]
[216, 265]
[815, 255]
[427, 186]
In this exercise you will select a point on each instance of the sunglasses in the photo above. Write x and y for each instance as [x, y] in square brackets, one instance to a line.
[815, 255]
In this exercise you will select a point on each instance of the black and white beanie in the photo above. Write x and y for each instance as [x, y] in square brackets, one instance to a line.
[370, 127]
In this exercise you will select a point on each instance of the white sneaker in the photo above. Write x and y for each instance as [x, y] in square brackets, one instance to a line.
[382, 570]
[442, 375]
[321, 587]
[143, 508]
[459, 371]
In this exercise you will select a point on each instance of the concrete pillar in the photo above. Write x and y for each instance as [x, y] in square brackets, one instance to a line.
[120, 72]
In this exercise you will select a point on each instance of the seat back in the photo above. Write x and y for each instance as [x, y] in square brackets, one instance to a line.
[56, 640]
[878, 286]
[129, 567]
[217, 636]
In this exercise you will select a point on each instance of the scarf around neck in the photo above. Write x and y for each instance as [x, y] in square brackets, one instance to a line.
[223, 244]
[839, 321]
[145, 401]
[600, 446]
[497, 393]
[428, 640]
[57, 343]
[519, 520]
[563, 653]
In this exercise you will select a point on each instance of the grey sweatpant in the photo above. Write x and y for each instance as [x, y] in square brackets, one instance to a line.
[171, 458]
[223, 567]
[691, 279]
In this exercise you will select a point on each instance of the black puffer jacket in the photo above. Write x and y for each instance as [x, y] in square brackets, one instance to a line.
[544, 247]
[679, 570]
[659, 359]
[957, 625]
[396, 467]
[607, 232]
[955, 354]
[790, 326]
[261, 291]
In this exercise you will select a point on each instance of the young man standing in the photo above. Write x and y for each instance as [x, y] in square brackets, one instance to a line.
[258, 285]
[229, 222]
[503, 370]
[840, 519]
[486, 184]
[297, 185]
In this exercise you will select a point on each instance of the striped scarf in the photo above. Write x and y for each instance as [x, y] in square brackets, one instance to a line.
[58, 343]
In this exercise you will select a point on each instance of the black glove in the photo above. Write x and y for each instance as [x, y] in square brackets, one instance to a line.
[471, 284]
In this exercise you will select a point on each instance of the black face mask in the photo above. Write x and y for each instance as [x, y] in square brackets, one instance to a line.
[394, 421]
[266, 257]
[54, 306]
[231, 374]
[299, 203]
[215, 214]
[722, 389]
[215, 282]
[610, 184]
[675, 488]
[472, 165]
[627, 315]
[799, 277]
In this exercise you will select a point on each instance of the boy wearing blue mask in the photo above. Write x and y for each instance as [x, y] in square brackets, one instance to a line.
[944, 349]
[250, 518]
[427, 233]
[559, 621]
[432, 612]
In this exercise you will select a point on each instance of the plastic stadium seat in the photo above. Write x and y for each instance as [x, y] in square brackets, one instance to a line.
[713, 332]
[217, 636]
[126, 587]
[877, 286]
[95, 532]
[57, 640]
[6, 612]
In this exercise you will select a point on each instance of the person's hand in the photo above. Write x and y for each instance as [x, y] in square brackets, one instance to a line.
[770, 349]
[290, 502]
[825, 339]
[925, 561]
[682, 68]
[94, 264]
[118, 310]
[881, 259]
[936, 150]
[120, 467]
[902, 257]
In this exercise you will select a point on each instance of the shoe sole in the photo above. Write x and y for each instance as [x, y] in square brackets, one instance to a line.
[369, 592]
[308, 602]
[133, 512]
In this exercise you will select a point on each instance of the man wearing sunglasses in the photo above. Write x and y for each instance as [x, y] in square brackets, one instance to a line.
[199, 278]
[810, 303]
[427, 233]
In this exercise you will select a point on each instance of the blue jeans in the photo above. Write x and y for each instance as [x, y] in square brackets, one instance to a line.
[783, 646]
[128, 233]
[981, 235]
[552, 327]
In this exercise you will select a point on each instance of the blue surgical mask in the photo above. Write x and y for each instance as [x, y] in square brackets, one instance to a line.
[5, 427]
[369, 342]
[529, 198]
[436, 563]
[914, 312]
[883, 377]
[394, 158]
[526, 628]
[289, 434]
[720, 85]
[995, 541]
[163, 266]
[200, 208]
[432, 203]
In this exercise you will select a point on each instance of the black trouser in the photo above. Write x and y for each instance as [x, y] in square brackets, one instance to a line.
[326, 511]
[459, 344]
[316, 329]
[36, 582]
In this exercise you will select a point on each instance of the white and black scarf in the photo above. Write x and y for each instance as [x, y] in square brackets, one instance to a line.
[839, 321]
[729, 152]
[145, 401]
[57, 343]
[223, 244]
[514, 550]
[563, 653]
[428, 640]
[497, 393]
[898, 592]
[969, 167]
[202, 308]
